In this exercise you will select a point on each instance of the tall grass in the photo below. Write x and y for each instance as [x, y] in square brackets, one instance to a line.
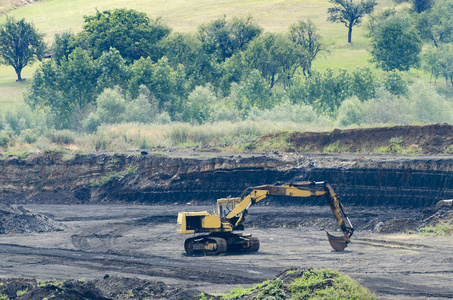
[227, 136]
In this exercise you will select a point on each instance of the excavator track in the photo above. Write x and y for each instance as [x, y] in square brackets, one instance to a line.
[205, 245]
[218, 244]
[254, 244]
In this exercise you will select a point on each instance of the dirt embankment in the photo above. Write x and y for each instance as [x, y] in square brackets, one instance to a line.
[428, 139]
[161, 176]
[169, 178]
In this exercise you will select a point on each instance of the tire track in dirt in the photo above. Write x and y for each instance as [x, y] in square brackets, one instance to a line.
[156, 266]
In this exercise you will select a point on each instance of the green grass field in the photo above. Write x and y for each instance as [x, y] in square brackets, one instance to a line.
[57, 16]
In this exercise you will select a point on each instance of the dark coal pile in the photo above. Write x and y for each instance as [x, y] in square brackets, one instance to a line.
[427, 218]
[107, 288]
[19, 220]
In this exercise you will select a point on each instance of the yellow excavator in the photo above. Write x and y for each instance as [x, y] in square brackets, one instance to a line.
[230, 215]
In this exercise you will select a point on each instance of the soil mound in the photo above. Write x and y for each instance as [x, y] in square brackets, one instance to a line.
[107, 288]
[429, 139]
[301, 283]
[19, 220]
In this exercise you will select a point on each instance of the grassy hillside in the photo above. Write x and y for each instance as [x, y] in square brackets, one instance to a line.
[57, 16]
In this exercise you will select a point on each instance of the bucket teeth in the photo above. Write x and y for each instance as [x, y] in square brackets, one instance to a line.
[338, 243]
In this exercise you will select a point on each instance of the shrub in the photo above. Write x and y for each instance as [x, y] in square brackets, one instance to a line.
[111, 106]
[64, 136]
[387, 108]
[20, 117]
[92, 122]
[163, 118]
[285, 111]
[440, 229]
[428, 106]
[364, 83]
[351, 112]
[29, 136]
[199, 104]
[144, 108]
[140, 110]
[5, 139]
[395, 83]
[225, 109]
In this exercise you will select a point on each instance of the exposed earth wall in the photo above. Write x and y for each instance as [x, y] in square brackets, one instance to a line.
[167, 177]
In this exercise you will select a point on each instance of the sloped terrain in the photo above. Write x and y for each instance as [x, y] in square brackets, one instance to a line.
[427, 139]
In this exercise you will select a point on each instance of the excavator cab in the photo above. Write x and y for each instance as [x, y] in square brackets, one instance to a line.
[226, 205]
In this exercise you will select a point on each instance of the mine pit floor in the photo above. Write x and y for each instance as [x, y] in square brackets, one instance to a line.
[141, 241]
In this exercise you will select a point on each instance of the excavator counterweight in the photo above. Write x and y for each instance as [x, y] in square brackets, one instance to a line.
[230, 215]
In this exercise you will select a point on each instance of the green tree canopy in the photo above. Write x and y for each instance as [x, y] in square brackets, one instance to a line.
[65, 88]
[224, 38]
[274, 56]
[350, 13]
[420, 6]
[131, 32]
[436, 24]
[309, 42]
[396, 44]
[20, 44]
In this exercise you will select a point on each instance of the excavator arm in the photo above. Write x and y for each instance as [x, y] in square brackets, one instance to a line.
[298, 189]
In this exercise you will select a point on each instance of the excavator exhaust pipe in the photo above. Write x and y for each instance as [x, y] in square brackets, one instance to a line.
[338, 243]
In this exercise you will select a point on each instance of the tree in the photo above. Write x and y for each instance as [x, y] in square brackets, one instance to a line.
[219, 40]
[66, 88]
[224, 38]
[306, 38]
[350, 13]
[62, 46]
[168, 85]
[436, 25]
[20, 45]
[130, 32]
[274, 56]
[420, 6]
[396, 44]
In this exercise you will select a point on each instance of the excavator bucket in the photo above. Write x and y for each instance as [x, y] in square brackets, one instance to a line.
[338, 243]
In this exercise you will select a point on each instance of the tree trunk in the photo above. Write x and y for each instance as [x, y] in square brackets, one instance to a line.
[18, 72]
[350, 34]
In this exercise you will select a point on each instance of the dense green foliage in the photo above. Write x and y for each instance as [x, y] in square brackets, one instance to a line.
[228, 70]
[125, 67]
[308, 284]
[130, 32]
[396, 44]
